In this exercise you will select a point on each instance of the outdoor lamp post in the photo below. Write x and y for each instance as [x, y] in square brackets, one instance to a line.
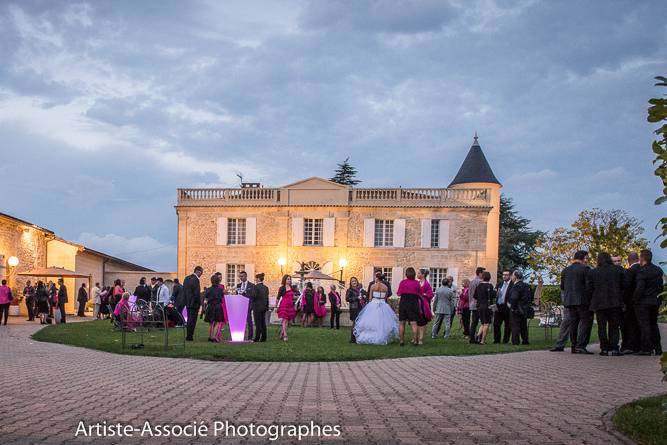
[12, 261]
[281, 262]
[342, 263]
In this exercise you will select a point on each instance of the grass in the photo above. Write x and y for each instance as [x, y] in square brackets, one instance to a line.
[644, 421]
[305, 344]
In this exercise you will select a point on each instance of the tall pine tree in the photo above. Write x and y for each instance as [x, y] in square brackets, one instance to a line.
[345, 174]
[517, 239]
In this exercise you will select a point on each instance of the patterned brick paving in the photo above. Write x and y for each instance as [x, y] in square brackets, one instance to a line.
[521, 398]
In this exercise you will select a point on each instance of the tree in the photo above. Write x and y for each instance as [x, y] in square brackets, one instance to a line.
[657, 113]
[345, 174]
[596, 230]
[517, 239]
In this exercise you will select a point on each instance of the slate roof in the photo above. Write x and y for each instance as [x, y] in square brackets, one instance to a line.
[475, 167]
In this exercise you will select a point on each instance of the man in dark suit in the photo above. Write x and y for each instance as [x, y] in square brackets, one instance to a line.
[192, 294]
[260, 304]
[246, 288]
[647, 301]
[82, 299]
[178, 296]
[502, 314]
[629, 327]
[520, 299]
[62, 299]
[143, 291]
[576, 301]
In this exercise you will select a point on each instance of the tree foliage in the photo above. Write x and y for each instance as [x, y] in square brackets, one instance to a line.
[657, 113]
[517, 239]
[595, 230]
[345, 174]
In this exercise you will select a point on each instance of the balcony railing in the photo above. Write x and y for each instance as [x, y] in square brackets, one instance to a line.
[360, 197]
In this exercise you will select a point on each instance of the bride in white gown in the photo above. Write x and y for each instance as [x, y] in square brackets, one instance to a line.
[377, 323]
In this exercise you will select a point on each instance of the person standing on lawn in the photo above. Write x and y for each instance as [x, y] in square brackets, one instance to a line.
[474, 315]
[502, 315]
[521, 300]
[463, 307]
[604, 284]
[647, 301]
[285, 303]
[334, 300]
[192, 292]
[577, 302]
[629, 327]
[260, 304]
[355, 297]
[443, 307]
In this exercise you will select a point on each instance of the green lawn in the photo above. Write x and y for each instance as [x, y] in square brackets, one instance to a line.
[645, 420]
[305, 344]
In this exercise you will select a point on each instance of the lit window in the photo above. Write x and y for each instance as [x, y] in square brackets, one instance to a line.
[386, 271]
[312, 232]
[384, 233]
[435, 233]
[236, 231]
[233, 271]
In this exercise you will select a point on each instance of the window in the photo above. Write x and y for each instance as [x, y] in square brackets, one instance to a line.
[236, 231]
[312, 232]
[436, 275]
[384, 233]
[435, 233]
[386, 271]
[233, 271]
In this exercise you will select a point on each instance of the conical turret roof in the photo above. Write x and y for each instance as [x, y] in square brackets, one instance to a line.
[475, 167]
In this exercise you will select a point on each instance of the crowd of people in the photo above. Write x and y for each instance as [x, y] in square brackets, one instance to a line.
[625, 303]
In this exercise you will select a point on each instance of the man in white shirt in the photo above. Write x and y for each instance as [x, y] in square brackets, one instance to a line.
[97, 299]
[162, 292]
[502, 314]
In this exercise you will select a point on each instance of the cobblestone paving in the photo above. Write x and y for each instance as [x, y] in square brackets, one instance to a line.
[522, 398]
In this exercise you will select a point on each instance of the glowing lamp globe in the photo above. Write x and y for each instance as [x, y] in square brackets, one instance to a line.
[342, 263]
[237, 313]
[13, 261]
[282, 261]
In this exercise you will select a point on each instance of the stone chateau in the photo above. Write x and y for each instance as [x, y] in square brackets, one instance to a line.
[343, 231]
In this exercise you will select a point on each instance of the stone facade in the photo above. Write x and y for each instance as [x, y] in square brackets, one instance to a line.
[276, 214]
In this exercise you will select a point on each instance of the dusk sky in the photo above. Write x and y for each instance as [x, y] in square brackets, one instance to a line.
[107, 107]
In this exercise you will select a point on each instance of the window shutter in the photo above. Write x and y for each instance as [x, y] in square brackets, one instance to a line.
[251, 231]
[426, 233]
[250, 270]
[368, 276]
[221, 238]
[399, 233]
[222, 268]
[444, 234]
[297, 231]
[369, 232]
[328, 231]
[396, 278]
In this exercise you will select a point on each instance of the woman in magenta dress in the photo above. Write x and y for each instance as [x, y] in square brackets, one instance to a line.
[320, 305]
[286, 311]
[408, 306]
[425, 297]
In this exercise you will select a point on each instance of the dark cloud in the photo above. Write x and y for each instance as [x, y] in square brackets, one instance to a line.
[110, 106]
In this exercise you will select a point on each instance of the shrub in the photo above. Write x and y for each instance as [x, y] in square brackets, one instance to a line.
[551, 294]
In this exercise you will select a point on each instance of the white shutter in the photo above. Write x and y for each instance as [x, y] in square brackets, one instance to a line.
[297, 231]
[251, 231]
[426, 233]
[399, 233]
[396, 278]
[221, 238]
[328, 231]
[443, 241]
[369, 232]
[250, 270]
[368, 276]
[222, 268]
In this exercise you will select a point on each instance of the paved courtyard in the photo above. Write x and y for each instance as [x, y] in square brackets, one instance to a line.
[520, 398]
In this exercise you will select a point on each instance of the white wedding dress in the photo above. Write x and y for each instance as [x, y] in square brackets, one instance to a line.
[377, 323]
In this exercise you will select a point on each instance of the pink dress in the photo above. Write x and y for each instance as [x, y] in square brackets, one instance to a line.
[223, 304]
[119, 307]
[286, 309]
[426, 295]
[320, 308]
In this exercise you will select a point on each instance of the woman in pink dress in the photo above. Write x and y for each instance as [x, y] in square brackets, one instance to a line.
[463, 307]
[320, 305]
[285, 302]
[425, 297]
